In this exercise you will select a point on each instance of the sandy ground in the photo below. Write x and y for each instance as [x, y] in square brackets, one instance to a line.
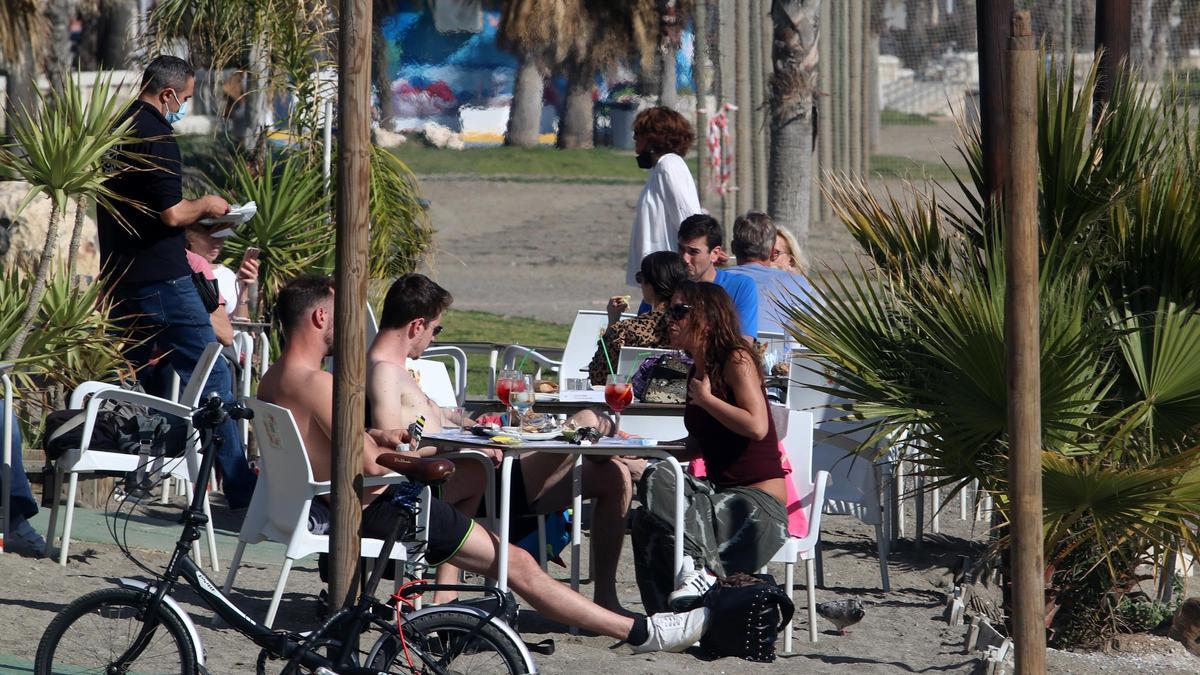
[903, 631]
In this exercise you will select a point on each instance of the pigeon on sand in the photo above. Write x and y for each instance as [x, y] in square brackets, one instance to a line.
[842, 613]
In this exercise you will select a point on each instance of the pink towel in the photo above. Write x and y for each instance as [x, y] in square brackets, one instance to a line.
[797, 520]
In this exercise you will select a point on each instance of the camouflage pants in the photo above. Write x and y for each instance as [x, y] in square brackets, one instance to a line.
[731, 530]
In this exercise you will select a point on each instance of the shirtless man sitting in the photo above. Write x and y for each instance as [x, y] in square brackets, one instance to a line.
[411, 319]
[304, 309]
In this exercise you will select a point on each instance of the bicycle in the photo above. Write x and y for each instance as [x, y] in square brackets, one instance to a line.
[139, 627]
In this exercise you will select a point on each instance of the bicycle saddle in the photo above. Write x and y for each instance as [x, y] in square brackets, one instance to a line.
[428, 471]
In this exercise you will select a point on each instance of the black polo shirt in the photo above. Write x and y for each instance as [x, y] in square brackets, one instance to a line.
[143, 249]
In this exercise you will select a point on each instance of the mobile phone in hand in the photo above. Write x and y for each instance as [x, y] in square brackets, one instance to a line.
[250, 254]
[414, 432]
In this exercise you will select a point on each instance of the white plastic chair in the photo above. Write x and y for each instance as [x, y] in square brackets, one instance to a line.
[799, 446]
[6, 458]
[83, 460]
[458, 359]
[284, 494]
[858, 480]
[435, 381]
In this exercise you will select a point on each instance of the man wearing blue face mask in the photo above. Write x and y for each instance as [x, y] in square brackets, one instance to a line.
[143, 261]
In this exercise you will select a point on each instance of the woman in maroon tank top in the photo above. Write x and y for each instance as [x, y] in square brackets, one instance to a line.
[736, 517]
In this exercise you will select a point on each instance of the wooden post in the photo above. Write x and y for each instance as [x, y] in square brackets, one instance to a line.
[1114, 32]
[1022, 344]
[994, 129]
[353, 166]
[744, 167]
[700, 78]
[854, 90]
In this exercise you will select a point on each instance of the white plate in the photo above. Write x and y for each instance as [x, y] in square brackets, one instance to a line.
[530, 436]
[543, 398]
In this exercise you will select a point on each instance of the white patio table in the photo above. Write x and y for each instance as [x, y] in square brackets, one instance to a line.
[447, 440]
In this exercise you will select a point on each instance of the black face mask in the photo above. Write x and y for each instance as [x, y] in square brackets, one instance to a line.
[645, 160]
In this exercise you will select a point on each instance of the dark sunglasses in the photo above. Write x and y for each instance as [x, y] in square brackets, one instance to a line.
[640, 278]
[437, 330]
[677, 312]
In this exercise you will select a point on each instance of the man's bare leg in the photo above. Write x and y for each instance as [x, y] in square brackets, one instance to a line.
[550, 598]
[609, 487]
[464, 492]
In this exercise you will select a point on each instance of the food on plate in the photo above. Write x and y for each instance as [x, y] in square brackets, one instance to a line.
[537, 424]
[546, 387]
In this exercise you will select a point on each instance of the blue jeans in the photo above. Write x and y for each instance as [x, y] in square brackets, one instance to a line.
[21, 500]
[169, 315]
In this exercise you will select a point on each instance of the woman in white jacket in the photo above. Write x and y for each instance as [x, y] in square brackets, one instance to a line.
[662, 138]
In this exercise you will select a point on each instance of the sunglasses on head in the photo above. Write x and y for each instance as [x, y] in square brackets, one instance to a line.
[679, 311]
[639, 277]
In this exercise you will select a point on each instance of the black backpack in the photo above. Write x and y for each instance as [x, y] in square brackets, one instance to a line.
[120, 427]
[746, 613]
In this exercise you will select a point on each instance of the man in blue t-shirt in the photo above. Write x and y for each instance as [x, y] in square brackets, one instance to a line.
[753, 239]
[700, 239]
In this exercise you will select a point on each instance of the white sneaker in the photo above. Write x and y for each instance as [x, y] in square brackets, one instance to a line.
[674, 632]
[689, 586]
[22, 537]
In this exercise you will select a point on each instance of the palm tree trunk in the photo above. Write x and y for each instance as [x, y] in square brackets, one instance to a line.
[793, 88]
[120, 19]
[668, 94]
[257, 82]
[58, 52]
[39, 286]
[525, 112]
[575, 128]
[20, 92]
[379, 69]
[76, 236]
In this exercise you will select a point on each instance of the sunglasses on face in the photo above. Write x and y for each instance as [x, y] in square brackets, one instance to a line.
[437, 330]
[677, 312]
[775, 253]
[640, 278]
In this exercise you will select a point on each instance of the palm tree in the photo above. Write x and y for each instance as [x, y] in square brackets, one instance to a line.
[916, 338]
[793, 92]
[65, 150]
[537, 32]
[609, 32]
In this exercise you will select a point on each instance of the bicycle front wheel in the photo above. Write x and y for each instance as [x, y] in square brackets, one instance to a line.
[92, 633]
[446, 638]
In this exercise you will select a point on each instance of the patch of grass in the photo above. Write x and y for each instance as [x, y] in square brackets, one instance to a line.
[472, 326]
[896, 166]
[546, 163]
[897, 118]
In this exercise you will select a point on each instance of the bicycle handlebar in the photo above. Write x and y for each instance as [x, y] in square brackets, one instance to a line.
[213, 412]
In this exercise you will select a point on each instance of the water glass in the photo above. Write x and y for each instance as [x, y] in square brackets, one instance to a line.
[455, 417]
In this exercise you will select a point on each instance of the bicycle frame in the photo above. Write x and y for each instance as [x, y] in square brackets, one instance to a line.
[350, 621]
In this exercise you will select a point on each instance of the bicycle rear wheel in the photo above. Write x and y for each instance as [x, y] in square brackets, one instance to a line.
[445, 637]
[88, 635]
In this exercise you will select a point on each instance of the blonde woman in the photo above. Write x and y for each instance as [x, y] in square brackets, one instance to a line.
[786, 255]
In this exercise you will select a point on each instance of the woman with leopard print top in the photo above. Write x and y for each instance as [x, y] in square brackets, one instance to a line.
[661, 273]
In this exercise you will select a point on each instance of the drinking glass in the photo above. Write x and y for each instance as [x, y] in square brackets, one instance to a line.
[504, 384]
[521, 397]
[454, 417]
[618, 394]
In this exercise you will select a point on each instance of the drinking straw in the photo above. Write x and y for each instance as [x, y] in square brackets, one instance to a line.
[604, 348]
[521, 365]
